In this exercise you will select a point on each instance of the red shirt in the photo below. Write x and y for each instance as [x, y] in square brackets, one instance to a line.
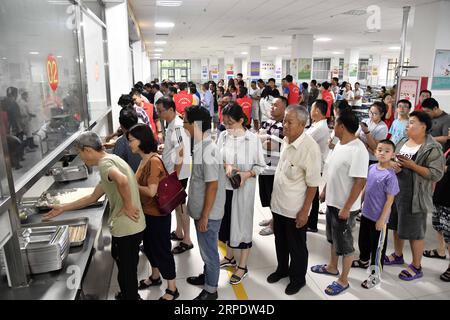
[418, 107]
[246, 104]
[294, 94]
[182, 100]
[149, 110]
[326, 95]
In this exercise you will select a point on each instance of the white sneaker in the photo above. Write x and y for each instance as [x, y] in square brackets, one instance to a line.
[265, 223]
[267, 231]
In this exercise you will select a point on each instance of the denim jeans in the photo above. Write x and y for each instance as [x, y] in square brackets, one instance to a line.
[207, 242]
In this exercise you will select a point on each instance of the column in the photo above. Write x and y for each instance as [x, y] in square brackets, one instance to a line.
[351, 59]
[429, 38]
[254, 63]
[301, 57]
[222, 72]
[374, 67]
[116, 15]
[334, 67]
[146, 72]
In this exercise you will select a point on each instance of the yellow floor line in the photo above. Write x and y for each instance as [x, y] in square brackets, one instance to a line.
[238, 289]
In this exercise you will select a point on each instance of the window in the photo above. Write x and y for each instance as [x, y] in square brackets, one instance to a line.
[392, 70]
[321, 69]
[175, 70]
[363, 70]
[39, 59]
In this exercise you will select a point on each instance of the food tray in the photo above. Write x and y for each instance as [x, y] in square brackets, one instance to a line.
[63, 196]
[80, 223]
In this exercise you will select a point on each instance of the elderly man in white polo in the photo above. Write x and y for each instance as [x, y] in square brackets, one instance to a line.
[297, 178]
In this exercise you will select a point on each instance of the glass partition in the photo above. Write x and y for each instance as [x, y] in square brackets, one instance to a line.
[40, 82]
[95, 68]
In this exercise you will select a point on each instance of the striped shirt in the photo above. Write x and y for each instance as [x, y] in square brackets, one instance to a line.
[275, 132]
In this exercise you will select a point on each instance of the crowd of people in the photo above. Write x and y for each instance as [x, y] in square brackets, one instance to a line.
[390, 169]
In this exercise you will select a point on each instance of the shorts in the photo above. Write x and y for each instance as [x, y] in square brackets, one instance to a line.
[184, 183]
[441, 221]
[339, 232]
[255, 112]
[408, 226]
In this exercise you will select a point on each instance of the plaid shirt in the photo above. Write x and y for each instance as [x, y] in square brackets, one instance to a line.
[275, 131]
[142, 115]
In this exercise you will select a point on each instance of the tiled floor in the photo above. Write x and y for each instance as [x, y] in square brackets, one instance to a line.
[263, 261]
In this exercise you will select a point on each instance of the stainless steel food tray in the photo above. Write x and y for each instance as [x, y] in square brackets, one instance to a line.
[82, 221]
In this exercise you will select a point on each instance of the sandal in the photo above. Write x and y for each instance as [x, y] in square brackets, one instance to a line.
[236, 279]
[433, 254]
[393, 259]
[445, 276]
[371, 282]
[267, 231]
[360, 264]
[229, 262]
[322, 269]
[175, 294]
[174, 237]
[335, 288]
[411, 273]
[154, 282]
[182, 247]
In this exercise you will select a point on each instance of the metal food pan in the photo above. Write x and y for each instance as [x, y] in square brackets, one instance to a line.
[82, 221]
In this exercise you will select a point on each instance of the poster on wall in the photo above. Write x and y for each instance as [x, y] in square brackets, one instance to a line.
[52, 72]
[408, 89]
[230, 71]
[255, 68]
[441, 71]
[214, 72]
[267, 70]
[278, 73]
[353, 70]
[335, 72]
[294, 66]
[304, 68]
[204, 73]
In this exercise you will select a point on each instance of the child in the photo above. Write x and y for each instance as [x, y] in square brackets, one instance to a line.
[380, 190]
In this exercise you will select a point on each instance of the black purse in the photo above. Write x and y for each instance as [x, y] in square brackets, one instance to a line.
[235, 180]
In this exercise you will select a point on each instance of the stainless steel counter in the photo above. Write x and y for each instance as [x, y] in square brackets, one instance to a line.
[63, 284]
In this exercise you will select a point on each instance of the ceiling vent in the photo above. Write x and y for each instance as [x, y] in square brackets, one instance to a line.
[297, 29]
[266, 37]
[162, 34]
[359, 12]
[228, 36]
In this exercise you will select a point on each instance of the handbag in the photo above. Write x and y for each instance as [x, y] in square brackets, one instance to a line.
[235, 180]
[170, 193]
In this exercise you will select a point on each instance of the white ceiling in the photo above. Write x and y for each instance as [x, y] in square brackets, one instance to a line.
[200, 25]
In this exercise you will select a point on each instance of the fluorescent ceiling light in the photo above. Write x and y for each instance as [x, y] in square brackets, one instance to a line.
[168, 3]
[4, 58]
[158, 50]
[244, 52]
[59, 56]
[323, 39]
[272, 48]
[337, 52]
[34, 52]
[394, 48]
[164, 25]
[160, 42]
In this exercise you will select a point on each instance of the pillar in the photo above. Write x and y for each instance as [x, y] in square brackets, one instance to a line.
[351, 59]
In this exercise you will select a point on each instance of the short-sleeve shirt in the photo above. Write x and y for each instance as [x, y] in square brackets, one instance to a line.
[398, 130]
[360, 93]
[345, 163]
[151, 173]
[207, 167]
[123, 150]
[379, 131]
[175, 137]
[271, 157]
[380, 183]
[294, 93]
[120, 224]
[441, 125]
[320, 133]
[246, 104]
[297, 170]
[256, 93]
